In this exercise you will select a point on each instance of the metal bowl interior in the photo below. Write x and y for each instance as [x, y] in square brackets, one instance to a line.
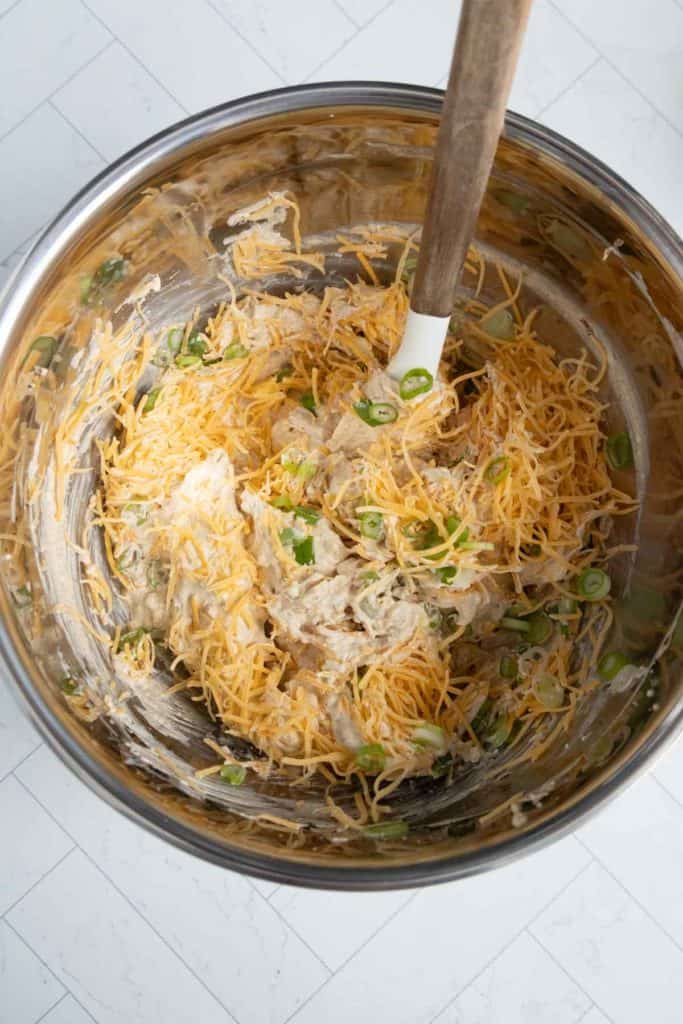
[607, 272]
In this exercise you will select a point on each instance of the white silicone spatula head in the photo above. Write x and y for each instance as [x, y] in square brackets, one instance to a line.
[485, 56]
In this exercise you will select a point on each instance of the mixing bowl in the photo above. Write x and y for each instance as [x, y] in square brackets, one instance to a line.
[604, 267]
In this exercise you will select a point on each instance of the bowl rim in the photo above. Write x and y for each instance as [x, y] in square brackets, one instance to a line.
[114, 180]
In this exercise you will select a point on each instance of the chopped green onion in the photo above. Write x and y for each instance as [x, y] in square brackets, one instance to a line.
[46, 346]
[22, 597]
[174, 340]
[285, 371]
[453, 524]
[68, 686]
[415, 382]
[593, 584]
[549, 691]
[308, 402]
[430, 736]
[409, 266]
[151, 399]
[540, 628]
[482, 716]
[371, 758]
[307, 469]
[113, 269]
[236, 350]
[441, 766]
[499, 325]
[140, 511]
[508, 667]
[371, 525]
[234, 774]
[303, 551]
[196, 344]
[369, 577]
[435, 616]
[387, 830]
[518, 610]
[517, 625]
[132, 638]
[375, 414]
[424, 535]
[497, 470]
[611, 664]
[183, 361]
[532, 550]
[282, 501]
[498, 731]
[619, 451]
[287, 536]
[567, 606]
[309, 515]
[447, 573]
[126, 559]
[84, 288]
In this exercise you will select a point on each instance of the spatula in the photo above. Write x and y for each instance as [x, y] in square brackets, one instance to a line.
[484, 59]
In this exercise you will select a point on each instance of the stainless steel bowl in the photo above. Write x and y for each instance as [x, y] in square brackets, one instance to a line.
[606, 268]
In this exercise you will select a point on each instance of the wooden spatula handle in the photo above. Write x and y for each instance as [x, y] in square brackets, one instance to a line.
[486, 50]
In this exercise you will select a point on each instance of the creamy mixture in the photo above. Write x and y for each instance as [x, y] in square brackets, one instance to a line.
[362, 577]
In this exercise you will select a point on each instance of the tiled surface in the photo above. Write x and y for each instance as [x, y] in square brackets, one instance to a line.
[101, 922]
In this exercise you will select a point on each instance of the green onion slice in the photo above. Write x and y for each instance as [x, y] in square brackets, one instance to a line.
[236, 350]
[185, 360]
[499, 325]
[540, 628]
[196, 344]
[517, 625]
[282, 501]
[549, 691]
[303, 551]
[593, 584]
[415, 382]
[372, 525]
[151, 399]
[387, 830]
[308, 514]
[498, 731]
[376, 414]
[113, 269]
[611, 664]
[233, 774]
[132, 638]
[371, 758]
[508, 667]
[46, 346]
[428, 735]
[308, 402]
[619, 451]
[447, 573]
[68, 686]
[497, 470]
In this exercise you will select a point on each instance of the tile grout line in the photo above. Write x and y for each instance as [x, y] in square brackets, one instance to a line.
[10, 8]
[613, 66]
[134, 57]
[663, 786]
[78, 132]
[503, 949]
[12, 770]
[47, 99]
[67, 990]
[628, 892]
[566, 973]
[290, 927]
[346, 42]
[65, 995]
[46, 874]
[245, 40]
[568, 88]
[128, 900]
[349, 958]
[340, 7]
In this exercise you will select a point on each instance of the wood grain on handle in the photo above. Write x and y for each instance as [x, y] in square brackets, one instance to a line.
[486, 50]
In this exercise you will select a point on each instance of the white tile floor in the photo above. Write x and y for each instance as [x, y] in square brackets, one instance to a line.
[101, 922]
